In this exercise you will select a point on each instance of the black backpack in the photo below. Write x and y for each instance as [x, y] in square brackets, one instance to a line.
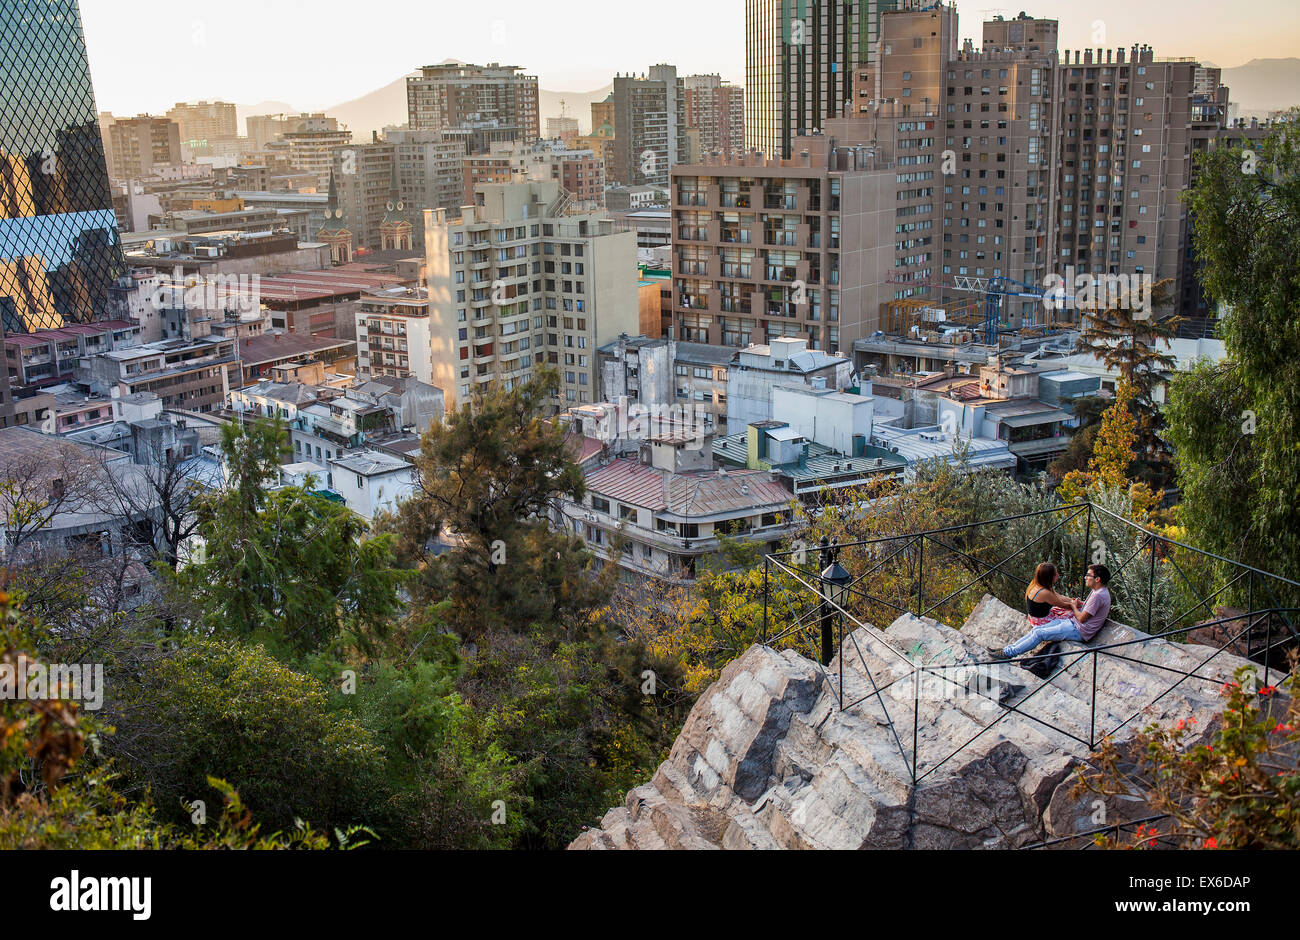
[1045, 664]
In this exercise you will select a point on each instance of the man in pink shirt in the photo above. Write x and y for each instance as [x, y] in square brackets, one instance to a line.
[1093, 614]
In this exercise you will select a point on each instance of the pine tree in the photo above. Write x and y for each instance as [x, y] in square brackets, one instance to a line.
[487, 479]
[1134, 343]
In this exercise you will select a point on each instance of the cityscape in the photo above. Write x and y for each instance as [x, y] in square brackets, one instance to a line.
[883, 438]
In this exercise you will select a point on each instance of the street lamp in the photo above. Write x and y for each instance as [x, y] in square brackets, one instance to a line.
[834, 588]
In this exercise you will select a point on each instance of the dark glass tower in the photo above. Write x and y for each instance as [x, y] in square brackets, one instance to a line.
[59, 246]
[800, 56]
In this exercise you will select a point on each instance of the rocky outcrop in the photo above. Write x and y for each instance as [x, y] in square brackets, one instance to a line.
[769, 760]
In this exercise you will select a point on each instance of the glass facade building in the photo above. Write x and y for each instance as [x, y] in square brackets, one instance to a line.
[59, 245]
[800, 56]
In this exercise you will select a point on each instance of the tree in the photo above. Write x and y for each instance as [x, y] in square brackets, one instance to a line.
[284, 564]
[1245, 213]
[1218, 464]
[1128, 340]
[1110, 467]
[53, 795]
[225, 709]
[487, 477]
[1135, 343]
[162, 488]
[37, 484]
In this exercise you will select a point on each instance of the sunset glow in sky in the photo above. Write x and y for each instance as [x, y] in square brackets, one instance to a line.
[145, 55]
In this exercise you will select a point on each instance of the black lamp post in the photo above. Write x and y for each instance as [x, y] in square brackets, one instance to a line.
[834, 587]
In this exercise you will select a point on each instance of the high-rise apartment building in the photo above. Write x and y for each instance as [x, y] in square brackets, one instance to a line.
[514, 285]
[649, 127]
[430, 173]
[716, 109]
[800, 56]
[203, 122]
[393, 334]
[139, 144]
[265, 128]
[1012, 160]
[363, 176]
[765, 248]
[561, 128]
[59, 248]
[580, 171]
[311, 142]
[447, 97]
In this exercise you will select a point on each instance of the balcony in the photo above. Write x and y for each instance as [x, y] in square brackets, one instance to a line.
[779, 201]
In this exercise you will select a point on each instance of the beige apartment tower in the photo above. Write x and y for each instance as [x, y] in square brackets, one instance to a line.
[515, 285]
[447, 97]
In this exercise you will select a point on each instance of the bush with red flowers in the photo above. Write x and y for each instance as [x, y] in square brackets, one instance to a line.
[1239, 789]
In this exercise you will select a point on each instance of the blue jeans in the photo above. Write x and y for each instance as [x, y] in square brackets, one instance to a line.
[1063, 629]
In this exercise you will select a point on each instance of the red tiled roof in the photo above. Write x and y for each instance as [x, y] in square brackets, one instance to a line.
[686, 494]
[318, 285]
[25, 339]
[582, 449]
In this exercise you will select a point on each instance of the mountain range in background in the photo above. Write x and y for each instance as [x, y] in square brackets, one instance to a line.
[1258, 87]
[386, 106]
[1263, 85]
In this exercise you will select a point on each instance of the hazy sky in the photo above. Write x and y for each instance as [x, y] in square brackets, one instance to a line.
[146, 55]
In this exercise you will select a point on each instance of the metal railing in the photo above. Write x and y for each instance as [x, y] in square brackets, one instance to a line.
[787, 579]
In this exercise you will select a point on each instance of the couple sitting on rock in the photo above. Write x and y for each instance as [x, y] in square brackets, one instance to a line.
[1053, 617]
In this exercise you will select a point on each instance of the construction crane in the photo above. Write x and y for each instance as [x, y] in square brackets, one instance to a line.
[994, 290]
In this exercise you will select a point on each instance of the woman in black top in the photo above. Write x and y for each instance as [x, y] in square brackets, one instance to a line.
[1041, 596]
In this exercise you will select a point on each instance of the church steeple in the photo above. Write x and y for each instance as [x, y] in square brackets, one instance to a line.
[333, 201]
[395, 230]
[334, 233]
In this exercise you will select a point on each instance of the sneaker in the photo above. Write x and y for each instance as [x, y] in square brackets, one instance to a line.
[999, 654]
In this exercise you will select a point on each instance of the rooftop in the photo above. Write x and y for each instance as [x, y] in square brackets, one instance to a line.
[277, 347]
[923, 444]
[821, 464]
[687, 495]
[582, 448]
[293, 393]
[703, 352]
[371, 463]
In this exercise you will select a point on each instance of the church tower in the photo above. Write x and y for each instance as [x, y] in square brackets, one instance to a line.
[395, 230]
[334, 232]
